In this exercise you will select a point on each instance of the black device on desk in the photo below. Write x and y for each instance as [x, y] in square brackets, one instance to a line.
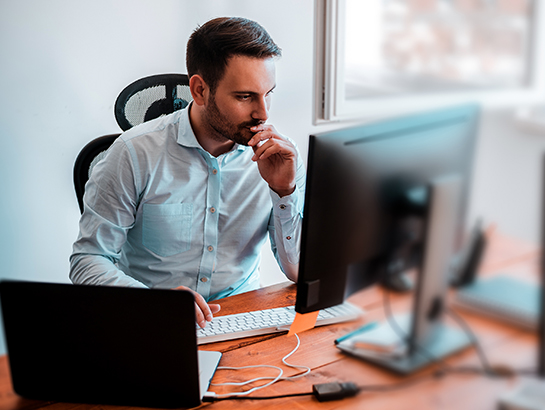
[383, 198]
[466, 265]
[105, 345]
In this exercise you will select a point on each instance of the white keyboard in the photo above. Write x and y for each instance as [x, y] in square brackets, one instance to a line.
[261, 322]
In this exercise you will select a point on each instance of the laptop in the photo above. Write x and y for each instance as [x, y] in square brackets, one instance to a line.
[104, 345]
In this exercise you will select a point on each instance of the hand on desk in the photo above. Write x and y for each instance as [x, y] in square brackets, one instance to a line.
[203, 311]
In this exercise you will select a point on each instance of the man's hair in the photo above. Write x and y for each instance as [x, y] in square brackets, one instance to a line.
[212, 45]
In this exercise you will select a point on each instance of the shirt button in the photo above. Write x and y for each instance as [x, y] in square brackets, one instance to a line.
[212, 209]
[210, 248]
[282, 206]
[214, 171]
[204, 280]
[288, 237]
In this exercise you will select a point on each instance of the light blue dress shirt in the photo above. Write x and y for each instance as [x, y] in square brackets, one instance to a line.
[161, 212]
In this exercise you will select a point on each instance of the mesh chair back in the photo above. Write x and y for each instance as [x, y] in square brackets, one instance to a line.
[143, 100]
[151, 97]
[86, 160]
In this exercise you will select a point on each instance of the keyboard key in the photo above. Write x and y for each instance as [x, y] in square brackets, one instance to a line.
[268, 321]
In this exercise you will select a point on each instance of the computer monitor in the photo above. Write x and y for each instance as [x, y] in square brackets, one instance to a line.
[382, 198]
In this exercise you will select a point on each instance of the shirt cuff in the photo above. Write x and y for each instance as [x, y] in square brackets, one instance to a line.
[287, 206]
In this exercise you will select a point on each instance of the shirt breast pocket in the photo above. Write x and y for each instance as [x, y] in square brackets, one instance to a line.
[166, 228]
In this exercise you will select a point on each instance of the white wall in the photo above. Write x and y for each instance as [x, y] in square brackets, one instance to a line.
[63, 63]
[508, 175]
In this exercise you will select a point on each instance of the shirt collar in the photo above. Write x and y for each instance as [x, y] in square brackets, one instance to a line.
[186, 136]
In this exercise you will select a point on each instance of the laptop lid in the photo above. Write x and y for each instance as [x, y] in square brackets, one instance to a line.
[107, 345]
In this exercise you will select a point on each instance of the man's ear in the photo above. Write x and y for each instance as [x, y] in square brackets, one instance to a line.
[199, 89]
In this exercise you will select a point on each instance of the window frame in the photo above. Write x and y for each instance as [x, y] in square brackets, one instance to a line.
[331, 106]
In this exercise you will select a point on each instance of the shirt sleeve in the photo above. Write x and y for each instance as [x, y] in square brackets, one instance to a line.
[110, 202]
[286, 223]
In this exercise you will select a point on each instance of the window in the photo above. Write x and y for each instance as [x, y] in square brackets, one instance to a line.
[378, 55]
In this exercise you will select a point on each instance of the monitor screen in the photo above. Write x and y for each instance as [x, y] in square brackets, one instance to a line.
[366, 199]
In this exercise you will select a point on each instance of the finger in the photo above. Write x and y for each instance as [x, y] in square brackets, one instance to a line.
[259, 138]
[266, 143]
[214, 308]
[261, 127]
[272, 147]
[266, 152]
[202, 310]
[262, 134]
[199, 317]
[203, 313]
[273, 138]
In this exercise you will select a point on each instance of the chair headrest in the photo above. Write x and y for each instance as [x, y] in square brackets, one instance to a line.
[151, 97]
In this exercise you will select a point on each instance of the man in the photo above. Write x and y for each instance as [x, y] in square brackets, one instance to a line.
[186, 201]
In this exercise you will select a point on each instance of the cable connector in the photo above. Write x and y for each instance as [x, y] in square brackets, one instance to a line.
[209, 397]
[334, 391]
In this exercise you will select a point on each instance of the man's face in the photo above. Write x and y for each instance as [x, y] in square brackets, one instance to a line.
[242, 98]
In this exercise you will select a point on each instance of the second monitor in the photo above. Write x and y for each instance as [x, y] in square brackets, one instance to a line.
[383, 198]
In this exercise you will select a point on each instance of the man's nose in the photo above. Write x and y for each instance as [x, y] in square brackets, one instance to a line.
[261, 110]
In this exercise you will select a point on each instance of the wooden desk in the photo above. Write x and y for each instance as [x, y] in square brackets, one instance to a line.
[503, 344]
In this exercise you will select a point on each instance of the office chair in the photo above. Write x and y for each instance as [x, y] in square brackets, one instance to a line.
[150, 97]
[143, 100]
[93, 152]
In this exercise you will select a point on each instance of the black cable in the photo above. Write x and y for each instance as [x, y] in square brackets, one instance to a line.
[401, 385]
[405, 337]
[487, 369]
[474, 341]
[322, 394]
[213, 399]
[332, 391]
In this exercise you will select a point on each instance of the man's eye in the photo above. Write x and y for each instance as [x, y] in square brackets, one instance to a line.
[244, 97]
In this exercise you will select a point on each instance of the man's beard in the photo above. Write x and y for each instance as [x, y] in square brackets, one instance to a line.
[225, 129]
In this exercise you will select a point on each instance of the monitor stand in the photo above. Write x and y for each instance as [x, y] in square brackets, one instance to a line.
[406, 343]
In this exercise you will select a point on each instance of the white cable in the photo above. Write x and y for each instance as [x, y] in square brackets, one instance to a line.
[273, 379]
[295, 366]
[249, 381]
